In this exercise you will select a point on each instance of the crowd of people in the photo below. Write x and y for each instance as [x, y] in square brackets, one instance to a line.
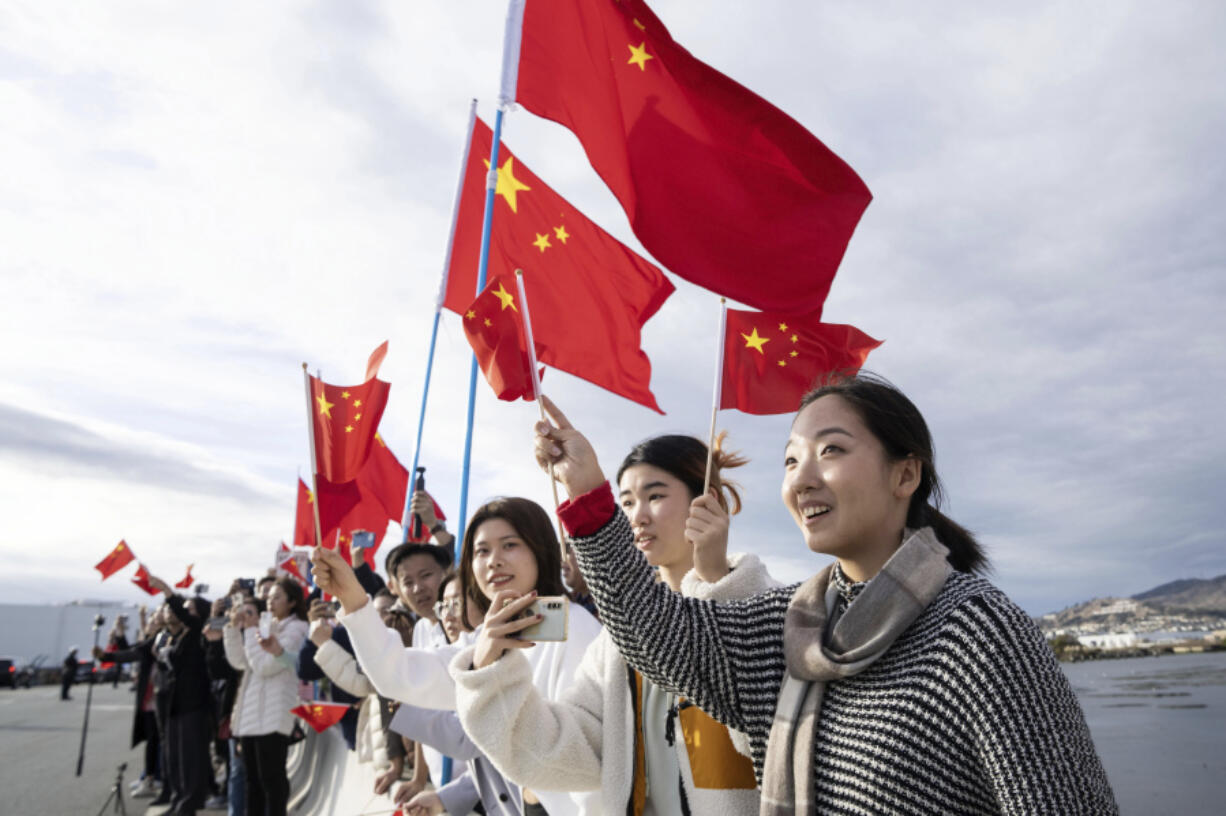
[685, 680]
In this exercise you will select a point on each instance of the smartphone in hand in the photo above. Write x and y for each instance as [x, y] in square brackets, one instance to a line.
[556, 612]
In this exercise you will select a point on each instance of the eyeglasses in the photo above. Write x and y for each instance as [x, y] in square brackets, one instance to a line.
[447, 608]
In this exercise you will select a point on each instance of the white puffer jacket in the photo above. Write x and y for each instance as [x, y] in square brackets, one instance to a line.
[269, 688]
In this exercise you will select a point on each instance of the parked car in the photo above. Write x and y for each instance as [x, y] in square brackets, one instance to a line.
[87, 671]
[8, 672]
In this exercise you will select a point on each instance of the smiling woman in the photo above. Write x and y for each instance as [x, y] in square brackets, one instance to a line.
[892, 681]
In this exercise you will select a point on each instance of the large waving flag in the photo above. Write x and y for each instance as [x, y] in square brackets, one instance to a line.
[590, 294]
[771, 359]
[344, 421]
[368, 502]
[722, 187]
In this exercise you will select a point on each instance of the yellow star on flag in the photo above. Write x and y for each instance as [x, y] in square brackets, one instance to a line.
[794, 338]
[357, 417]
[506, 297]
[357, 403]
[782, 363]
[542, 242]
[487, 322]
[508, 185]
[348, 429]
[639, 56]
[783, 327]
[639, 25]
[470, 314]
[792, 353]
[561, 233]
[344, 395]
[325, 407]
[755, 340]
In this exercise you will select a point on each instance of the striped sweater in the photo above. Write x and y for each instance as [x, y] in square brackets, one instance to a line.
[967, 712]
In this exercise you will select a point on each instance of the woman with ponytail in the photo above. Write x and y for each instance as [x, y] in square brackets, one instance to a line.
[896, 679]
[646, 749]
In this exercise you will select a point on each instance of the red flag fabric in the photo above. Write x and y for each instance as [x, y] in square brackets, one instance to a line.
[771, 359]
[320, 715]
[187, 579]
[376, 361]
[115, 560]
[722, 187]
[368, 502]
[589, 294]
[344, 420]
[291, 566]
[304, 517]
[141, 579]
[493, 325]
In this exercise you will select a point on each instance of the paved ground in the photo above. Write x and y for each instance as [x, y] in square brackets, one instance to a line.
[39, 739]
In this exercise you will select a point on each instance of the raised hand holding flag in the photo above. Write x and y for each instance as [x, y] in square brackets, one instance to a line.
[142, 580]
[187, 579]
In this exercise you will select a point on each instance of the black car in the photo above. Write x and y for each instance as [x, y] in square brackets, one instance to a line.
[8, 672]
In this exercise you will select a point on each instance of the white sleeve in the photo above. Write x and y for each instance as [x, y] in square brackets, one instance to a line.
[342, 669]
[415, 676]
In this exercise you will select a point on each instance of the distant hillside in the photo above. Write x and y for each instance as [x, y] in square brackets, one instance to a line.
[1189, 597]
[1189, 594]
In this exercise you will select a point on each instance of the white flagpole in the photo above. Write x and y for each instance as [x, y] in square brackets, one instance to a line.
[306, 379]
[716, 391]
[536, 389]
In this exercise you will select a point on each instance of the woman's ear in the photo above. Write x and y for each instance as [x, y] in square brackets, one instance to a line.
[907, 474]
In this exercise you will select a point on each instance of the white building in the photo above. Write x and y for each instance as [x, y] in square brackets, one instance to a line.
[1113, 640]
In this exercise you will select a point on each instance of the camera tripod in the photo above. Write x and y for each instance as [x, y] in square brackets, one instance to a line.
[116, 794]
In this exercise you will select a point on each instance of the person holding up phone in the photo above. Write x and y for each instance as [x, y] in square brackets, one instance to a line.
[510, 552]
[261, 717]
[673, 752]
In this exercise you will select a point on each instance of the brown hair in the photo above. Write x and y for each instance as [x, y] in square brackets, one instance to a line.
[297, 600]
[686, 458]
[533, 525]
[900, 428]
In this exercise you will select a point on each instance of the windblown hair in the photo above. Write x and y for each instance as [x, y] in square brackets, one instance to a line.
[686, 458]
[901, 429]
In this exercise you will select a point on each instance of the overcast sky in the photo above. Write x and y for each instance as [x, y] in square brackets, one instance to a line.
[195, 198]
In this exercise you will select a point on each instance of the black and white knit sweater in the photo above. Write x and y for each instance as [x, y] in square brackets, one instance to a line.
[968, 711]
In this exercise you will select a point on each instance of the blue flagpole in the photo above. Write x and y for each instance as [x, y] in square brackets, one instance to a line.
[405, 517]
[491, 185]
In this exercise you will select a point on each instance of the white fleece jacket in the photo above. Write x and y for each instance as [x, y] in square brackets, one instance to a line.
[584, 739]
[269, 688]
[420, 677]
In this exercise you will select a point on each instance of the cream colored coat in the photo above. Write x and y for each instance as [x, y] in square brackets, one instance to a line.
[585, 740]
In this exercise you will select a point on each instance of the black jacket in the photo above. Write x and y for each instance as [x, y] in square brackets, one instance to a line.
[189, 676]
[142, 655]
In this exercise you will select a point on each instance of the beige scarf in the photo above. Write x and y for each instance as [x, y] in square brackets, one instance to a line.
[884, 609]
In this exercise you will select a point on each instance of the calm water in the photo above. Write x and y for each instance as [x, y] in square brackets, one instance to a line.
[1159, 724]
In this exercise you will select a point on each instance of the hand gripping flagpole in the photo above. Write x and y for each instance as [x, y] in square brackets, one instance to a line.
[536, 392]
[716, 391]
[438, 308]
[306, 380]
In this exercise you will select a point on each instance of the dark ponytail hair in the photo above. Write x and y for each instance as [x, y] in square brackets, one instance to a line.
[686, 458]
[901, 429]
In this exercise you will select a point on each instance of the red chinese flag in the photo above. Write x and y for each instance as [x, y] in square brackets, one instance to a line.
[722, 187]
[320, 716]
[291, 566]
[344, 420]
[589, 294]
[771, 360]
[115, 560]
[493, 325]
[375, 361]
[141, 579]
[369, 502]
[187, 579]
